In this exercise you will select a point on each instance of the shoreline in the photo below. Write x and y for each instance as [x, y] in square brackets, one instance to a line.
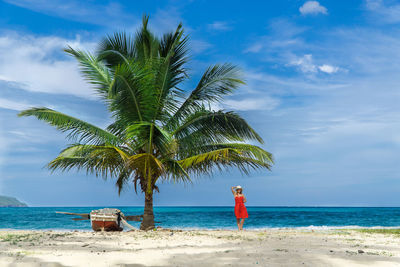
[169, 247]
[234, 228]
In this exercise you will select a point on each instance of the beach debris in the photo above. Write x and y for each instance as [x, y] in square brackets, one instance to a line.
[107, 219]
[351, 252]
[281, 250]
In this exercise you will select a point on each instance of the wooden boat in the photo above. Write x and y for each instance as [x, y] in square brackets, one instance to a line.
[107, 219]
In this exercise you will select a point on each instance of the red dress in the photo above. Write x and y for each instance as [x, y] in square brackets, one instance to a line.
[240, 208]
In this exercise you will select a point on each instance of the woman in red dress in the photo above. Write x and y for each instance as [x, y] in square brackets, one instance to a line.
[240, 208]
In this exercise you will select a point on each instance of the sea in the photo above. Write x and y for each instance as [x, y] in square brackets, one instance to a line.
[46, 218]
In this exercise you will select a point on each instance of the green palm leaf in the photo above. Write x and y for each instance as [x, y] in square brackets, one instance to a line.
[217, 82]
[206, 126]
[246, 150]
[114, 49]
[78, 129]
[130, 99]
[220, 159]
[101, 160]
[175, 172]
[94, 70]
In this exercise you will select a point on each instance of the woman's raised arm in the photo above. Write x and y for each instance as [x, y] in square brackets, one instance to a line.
[233, 191]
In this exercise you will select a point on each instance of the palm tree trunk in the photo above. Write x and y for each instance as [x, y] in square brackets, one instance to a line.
[148, 215]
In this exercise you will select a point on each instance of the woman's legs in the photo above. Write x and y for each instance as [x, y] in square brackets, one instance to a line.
[238, 223]
[241, 223]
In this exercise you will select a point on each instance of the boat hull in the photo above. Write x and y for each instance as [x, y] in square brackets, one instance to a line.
[106, 219]
[106, 226]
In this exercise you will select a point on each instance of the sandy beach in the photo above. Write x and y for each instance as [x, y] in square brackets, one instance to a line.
[284, 247]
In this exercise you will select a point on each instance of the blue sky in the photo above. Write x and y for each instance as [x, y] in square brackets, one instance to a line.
[323, 90]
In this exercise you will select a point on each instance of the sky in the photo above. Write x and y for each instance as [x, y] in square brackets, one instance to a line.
[322, 89]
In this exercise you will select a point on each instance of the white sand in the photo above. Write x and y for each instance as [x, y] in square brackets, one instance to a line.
[199, 248]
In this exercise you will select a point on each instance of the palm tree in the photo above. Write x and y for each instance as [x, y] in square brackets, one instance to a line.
[158, 133]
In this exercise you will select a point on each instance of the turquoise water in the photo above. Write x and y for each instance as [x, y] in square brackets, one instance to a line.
[210, 217]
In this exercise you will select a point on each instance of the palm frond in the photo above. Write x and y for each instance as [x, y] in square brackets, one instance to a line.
[217, 82]
[220, 159]
[121, 45]
[79, 130]
[173, 46]
[173, 52]
[175, 172]
[207, 127]
[146, 165]
[140, 132]
[204, 162]
[103, 161]
[145, 43]
[94, 71]
[246, 150]
[134, 96]
[123, 179]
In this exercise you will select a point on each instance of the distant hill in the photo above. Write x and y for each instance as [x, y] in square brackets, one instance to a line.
[10, 202]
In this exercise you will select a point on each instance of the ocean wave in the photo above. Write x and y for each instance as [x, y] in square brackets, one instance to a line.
[324, 227]
[262, 228]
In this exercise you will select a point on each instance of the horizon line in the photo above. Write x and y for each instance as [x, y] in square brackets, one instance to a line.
[208, 206]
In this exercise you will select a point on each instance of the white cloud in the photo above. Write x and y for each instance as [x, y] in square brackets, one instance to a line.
[254, 48]
[312, 8]
[247, 104]
[373, 4]
[38, 64]
[287, 84]
[328, 68]
[13, 105]
[262, 103]
[357, 111]
[220, 26]
[383, 12]
[166, 20]
[306, 65]
[198, 46]
[282, 34]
